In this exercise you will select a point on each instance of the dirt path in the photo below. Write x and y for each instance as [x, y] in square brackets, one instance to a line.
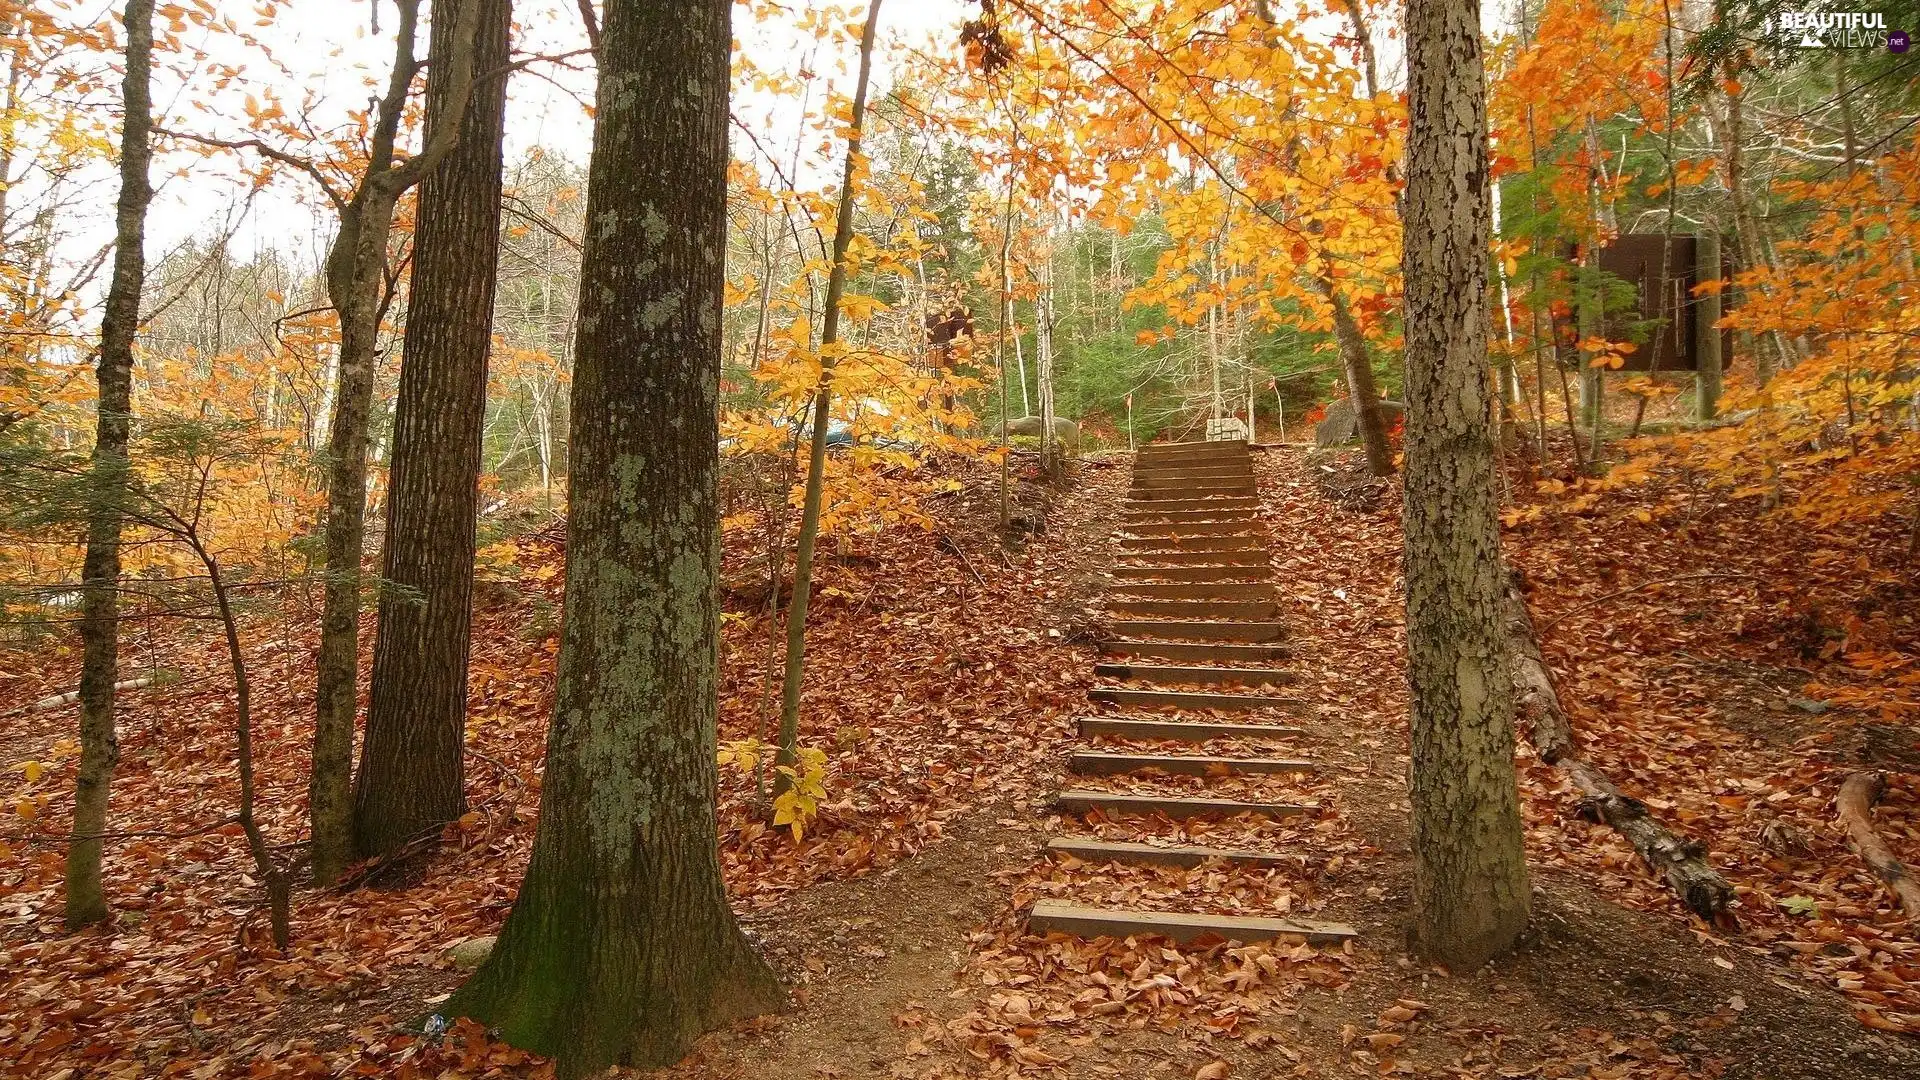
[928, 971]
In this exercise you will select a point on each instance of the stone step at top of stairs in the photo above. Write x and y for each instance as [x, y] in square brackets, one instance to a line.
[1199, 652]
[1189, 630]
[1105, 763]
[1242, 557]
[1174, 674]
[1190, 575]
[1095, 850]
[1188, 699]
[1195, 609]
[1174, 807]
[1059, 917]
[1236, 541]
[1130, 727]
[1184, 529]
[1199, 590]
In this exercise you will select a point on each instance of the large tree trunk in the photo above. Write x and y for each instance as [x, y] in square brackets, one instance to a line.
[100, 598]
[356, 275]
[410, 762]
[1470, 876]
[621, 948]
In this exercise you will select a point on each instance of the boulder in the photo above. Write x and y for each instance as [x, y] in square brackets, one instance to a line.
[1064, 430]
[1342, 423]
[472, 952]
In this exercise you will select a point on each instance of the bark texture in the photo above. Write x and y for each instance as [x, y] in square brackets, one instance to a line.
[356, 277]
[1470, 878]
[100, 603]
[1358, 365]
[410, 779]
[1708, 377]
[621, 948]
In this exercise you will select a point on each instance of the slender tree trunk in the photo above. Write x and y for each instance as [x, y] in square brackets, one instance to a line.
[621, 948]
[410, 762]
[1707, 377]
[279, 893]
[100, 598]
[355, 277]
[1043, 357]
[822, 399]
[1358, 366]
[1020, 369]
[1746, 244]
[1470, 877]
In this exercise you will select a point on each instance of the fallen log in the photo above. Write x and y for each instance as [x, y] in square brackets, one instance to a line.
[1858, 793]
[55, 701]
[1679, 860]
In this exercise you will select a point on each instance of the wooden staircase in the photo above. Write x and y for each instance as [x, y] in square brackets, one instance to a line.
[1195, 640]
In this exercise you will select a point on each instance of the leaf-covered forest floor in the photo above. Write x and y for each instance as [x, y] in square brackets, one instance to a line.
[944, 673]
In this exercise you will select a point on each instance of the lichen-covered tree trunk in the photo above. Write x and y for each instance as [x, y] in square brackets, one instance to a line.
[1470, 878]
[410, 762]
[353, 273]
[100, 575]
[621, 948]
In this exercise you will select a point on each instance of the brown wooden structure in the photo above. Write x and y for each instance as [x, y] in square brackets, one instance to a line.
[1636, 258]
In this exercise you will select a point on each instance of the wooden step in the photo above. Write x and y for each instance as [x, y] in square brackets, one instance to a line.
[1185, 488]
[1187, 699]
[1191, 455]
[1246, 557]
[1241, 541]
[1189, 574]
[1165, 674]
[1211, 527]
[1184, 630]
[1145, 473]
[1104, 763]
[1093, 850]
[1244, 519]
[1128, 727]
[1189, 446]
[1196, 609]
[1221, 505]
[1059, 917]
[1204, 590]
[1197, 652]
[1173, 807]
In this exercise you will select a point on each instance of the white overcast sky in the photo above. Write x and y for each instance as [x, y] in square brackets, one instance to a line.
[326, 49]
